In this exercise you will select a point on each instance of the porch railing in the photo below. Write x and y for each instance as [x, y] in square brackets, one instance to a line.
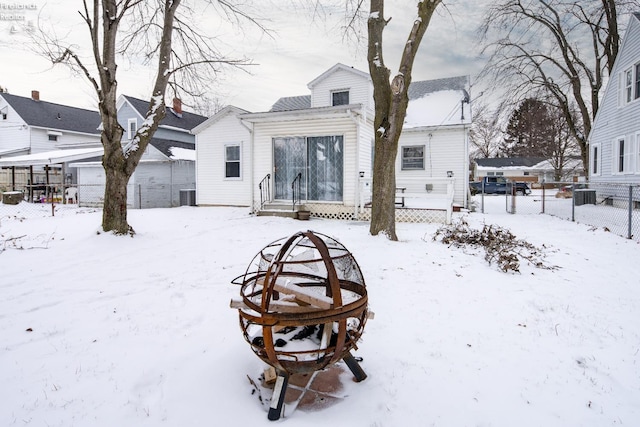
[265, 190]
[295, 189]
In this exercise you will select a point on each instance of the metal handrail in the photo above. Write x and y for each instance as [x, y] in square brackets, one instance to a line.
[265, 190]
[297, 180]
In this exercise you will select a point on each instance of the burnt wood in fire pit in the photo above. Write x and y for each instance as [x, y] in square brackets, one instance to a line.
[303, 307]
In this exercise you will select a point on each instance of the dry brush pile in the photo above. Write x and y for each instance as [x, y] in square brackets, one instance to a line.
[501, 247]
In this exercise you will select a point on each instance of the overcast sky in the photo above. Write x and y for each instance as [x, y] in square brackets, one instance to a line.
[301, 48]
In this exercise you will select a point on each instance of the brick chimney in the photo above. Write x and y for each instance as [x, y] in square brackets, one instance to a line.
[177, 105]
[35, 95]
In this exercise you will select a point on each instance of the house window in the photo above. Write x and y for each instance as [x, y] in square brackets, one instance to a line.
[499, 173]
[637, 152]
[413, 157]
[232, 161]
[628, 84]
[595, 159]
[526, 173]
[637, 81]
[340, 98]
[491, 173]
[53, 138]
[132, 128]
[623, 155]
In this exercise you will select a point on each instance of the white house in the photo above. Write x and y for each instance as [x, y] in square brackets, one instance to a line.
[322, 143]
[30, 127]
[534, 170]
[166, 168]
[614, 142]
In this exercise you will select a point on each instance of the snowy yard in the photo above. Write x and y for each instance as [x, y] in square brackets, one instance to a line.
[99, 330]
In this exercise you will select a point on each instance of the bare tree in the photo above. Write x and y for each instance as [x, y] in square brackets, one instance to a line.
[155, 31]
[563, 48]
[391, 99]
[486, 130]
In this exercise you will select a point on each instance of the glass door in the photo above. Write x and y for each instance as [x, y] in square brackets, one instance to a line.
[326, 164]
[290, 158]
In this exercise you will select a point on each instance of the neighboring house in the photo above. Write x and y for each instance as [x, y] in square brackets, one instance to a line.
[326, 138]
[30, 126]
[166, 167]
[614, 142]
[534, 170]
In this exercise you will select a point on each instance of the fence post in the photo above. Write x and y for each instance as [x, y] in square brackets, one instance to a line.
[543, 195]
[630, 211]
[482, 195]
[573, 202]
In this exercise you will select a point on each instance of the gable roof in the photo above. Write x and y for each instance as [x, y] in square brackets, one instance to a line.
[338, 67]
[229, 109]
[48, 115]
[187, 122]
[507, 162]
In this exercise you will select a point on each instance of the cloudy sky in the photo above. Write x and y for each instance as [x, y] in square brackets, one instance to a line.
[302, 46]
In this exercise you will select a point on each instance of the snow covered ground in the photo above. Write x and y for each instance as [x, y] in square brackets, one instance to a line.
[98, 330]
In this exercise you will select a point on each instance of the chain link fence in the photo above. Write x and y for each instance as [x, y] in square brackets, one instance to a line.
[612, 206]
[41, 200]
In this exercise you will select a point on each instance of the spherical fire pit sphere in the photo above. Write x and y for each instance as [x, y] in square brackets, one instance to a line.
[304, 303]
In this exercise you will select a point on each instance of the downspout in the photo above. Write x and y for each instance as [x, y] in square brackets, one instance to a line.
[356, 196]
[251, 168]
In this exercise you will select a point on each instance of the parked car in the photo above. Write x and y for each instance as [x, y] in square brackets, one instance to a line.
[498, 185]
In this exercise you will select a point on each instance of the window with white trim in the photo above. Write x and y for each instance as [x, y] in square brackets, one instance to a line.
[637, 156]
[413, 157]
[637, 81]
[623, 155]
[132, 128]
[628, 85]
[232, 161]
[340, 97]
[595, 159]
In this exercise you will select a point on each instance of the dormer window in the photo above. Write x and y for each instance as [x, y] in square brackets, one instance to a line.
[132, 128]
[340, 98]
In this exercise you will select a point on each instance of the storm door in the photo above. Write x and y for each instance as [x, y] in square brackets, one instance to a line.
[326, 164]
[320, 160]
[290, 158]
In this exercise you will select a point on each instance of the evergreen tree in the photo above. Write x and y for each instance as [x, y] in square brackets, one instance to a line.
[530, 131]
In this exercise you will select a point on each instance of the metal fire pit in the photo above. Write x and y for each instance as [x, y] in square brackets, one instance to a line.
[303, 307]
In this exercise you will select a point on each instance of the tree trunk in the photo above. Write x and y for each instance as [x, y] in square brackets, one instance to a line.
[114, 212]
[391, 100]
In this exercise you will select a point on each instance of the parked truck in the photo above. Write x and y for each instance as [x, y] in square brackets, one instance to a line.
[499, 185]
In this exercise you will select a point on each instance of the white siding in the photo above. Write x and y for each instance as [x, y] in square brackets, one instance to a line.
[614, 120]
[212, 186]
[360, 89]
[263, 151]
[12, 134]
[445, 150]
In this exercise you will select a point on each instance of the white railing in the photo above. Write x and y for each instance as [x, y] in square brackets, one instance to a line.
[415, 193]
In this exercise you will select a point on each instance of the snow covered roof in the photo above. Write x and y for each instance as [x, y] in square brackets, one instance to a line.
[52, 157]
[509, 162]
[435, 102]
[175, 150]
